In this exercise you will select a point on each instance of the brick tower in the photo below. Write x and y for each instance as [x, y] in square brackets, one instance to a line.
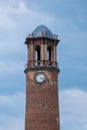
[42, 105]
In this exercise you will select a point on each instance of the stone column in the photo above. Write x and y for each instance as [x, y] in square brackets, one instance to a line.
[54, 53]
[45, 52]
[54, 58]
[29, 53]
[41, 53]
[32, 54]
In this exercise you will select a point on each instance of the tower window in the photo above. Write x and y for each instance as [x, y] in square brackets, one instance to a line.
[37, 55]
[49, 53]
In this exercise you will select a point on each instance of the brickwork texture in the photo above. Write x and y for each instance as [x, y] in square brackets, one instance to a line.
[42, 105]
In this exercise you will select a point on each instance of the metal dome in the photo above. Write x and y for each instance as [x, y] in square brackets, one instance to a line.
[42, 31]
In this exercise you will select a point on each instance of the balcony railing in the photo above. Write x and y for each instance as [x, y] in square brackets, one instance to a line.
[44, 63]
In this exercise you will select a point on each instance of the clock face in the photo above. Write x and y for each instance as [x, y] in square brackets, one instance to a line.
[40, 77]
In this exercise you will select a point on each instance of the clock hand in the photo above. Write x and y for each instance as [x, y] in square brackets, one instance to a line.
[41, 78]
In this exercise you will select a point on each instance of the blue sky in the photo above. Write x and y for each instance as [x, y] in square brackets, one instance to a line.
[67, 18]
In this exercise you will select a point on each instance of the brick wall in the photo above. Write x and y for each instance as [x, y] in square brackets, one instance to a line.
[42, 107]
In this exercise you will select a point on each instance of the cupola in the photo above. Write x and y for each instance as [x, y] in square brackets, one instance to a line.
[42, 47]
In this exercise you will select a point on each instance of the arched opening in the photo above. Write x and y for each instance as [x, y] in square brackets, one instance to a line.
[49, 53]
[37, 55]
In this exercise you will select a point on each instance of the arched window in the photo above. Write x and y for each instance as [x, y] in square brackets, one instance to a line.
[37, 55]
[49, 53]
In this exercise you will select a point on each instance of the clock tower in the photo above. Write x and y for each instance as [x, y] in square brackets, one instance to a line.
[42, 103]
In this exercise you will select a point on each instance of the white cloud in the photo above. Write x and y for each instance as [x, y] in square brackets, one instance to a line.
[8, 9]
[12, 109]
[11, 68]
[12, 100]
[73, 107]
[8, 13]
[16, 13]
[17, 7]
[8, 122]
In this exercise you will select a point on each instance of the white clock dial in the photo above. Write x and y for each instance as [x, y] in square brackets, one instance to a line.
[40, 77]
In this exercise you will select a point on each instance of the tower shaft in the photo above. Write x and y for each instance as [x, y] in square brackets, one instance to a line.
[42, 103]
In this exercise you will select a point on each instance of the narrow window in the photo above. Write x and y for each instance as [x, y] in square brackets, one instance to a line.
[49, 53]
[37, 55]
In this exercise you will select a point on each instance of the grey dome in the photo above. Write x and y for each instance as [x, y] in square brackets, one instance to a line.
[42, 31]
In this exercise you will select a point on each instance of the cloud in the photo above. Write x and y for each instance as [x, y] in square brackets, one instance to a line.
[12, 109]
[13, 102]
[11, 68]
[8, 122]
[9, 13]
[15, 13]
[73, 108]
